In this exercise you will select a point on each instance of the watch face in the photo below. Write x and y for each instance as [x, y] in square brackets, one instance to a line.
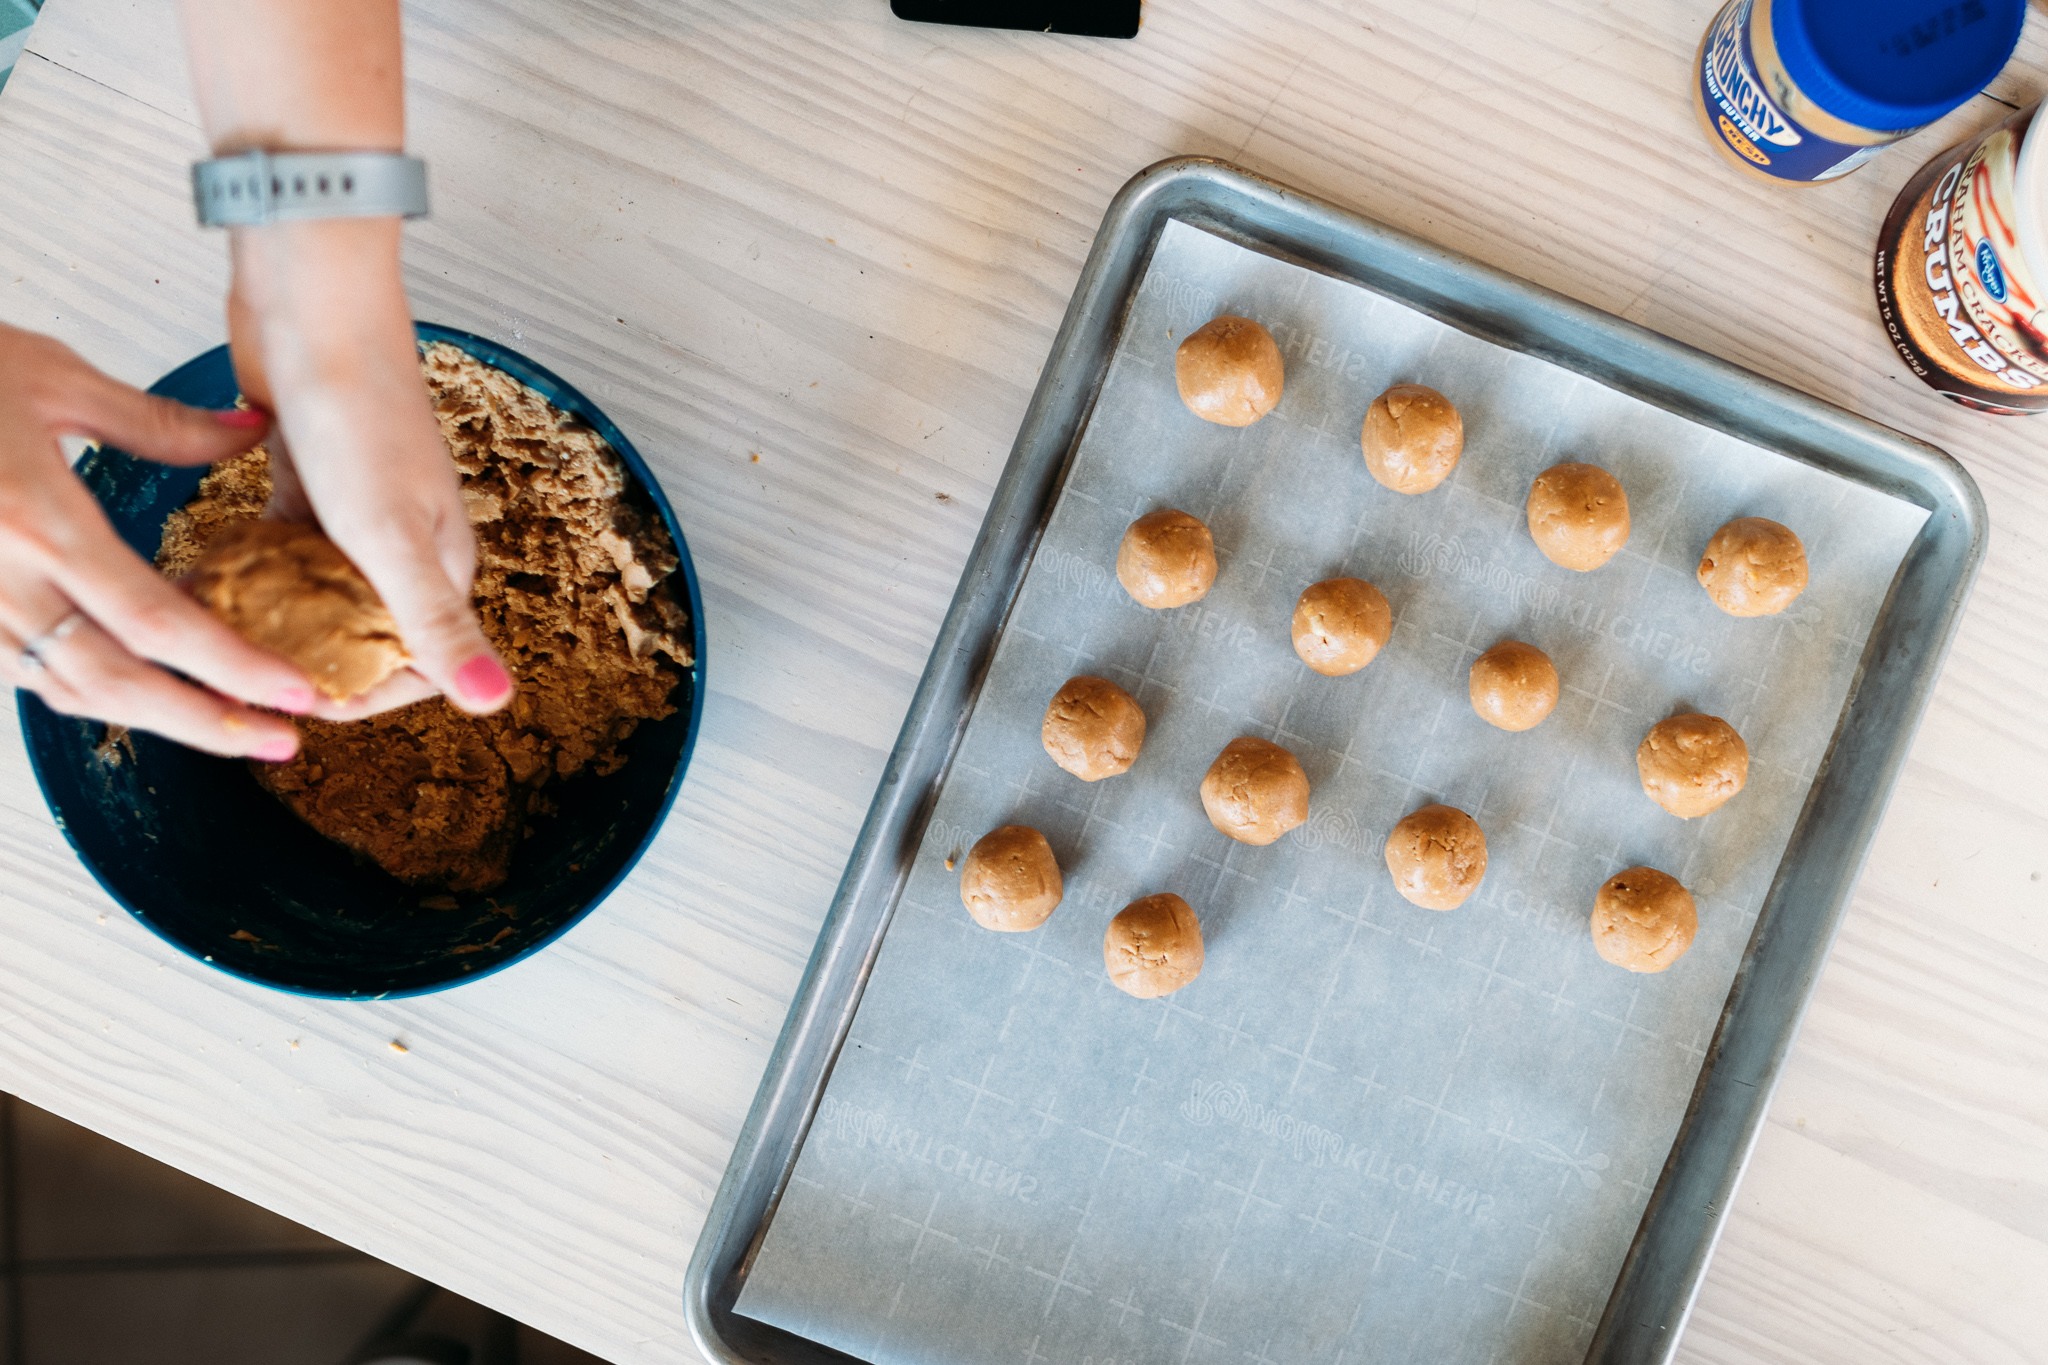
[1087, 18]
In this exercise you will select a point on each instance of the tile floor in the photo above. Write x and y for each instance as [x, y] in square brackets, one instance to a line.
[108, 1257]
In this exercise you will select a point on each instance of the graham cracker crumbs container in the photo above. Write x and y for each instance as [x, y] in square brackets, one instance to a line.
[1801, 91]
[1959, 265]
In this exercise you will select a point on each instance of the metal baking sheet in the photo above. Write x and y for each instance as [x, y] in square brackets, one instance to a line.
[1447, 1122]
[1515, 1226]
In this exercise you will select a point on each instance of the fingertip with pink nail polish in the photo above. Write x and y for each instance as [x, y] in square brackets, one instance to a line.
[279, 750]
[295, 701]
[242, 419]
[483, 681]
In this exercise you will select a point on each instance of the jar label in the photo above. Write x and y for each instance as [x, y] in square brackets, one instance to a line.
[1957, 295]
[1991, 279]
[1755, 127]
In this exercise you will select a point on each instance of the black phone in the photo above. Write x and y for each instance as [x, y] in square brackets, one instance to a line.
[1085, 18]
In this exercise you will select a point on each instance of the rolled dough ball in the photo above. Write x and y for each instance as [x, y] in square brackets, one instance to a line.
[1153, 947]
[1167, 559]
[1692, 764]
[287, 588]
[1513, 685]
[1643, 920]
[1753, 567]
[1578, 515]
[1010, 881]
[1437, 856]
[1412, 438]
[1255, 791]
[1341, 625]
[1093, 728]
[1229, 371]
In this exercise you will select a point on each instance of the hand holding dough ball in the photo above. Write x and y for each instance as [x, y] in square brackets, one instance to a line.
[1093, 728]
[1412, 438]
[1341, 625]
[287, 588]
[1153, 947]
[1753, 567]
[1513, 685]
[1437, 856]
[1578, 514]
[1010, 881]
[1643, 920]
[1229, 371]
[1255, 791]
[1167, 559]
[1692, 764]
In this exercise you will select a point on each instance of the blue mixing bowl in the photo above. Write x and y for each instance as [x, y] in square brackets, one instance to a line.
[192, 847]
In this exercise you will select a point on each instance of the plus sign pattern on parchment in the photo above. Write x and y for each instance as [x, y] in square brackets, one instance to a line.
[1367, 1132]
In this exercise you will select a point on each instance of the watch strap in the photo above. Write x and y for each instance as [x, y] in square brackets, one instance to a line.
[282, 187]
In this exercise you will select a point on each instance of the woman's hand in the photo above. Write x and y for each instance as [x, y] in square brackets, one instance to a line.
[84, 622]
[322, 337]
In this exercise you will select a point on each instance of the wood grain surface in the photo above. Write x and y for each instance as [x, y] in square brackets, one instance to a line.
[811, 260]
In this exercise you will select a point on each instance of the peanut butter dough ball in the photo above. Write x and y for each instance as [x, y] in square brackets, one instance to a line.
[1513, 685]
[1167, 559]
[1341, 625]
[1153, 947]
[1578, 515]
[1255, 791]
[1643, 920]
[1437, 856]
[287, 588]
[1229, 371]
[1692, 764]
[1010, 881]
[1412, 438]
[1753, 567]
[1093, 728]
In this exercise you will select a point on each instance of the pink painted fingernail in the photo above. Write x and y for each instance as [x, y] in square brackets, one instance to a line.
[483, 681]
[277, 751]
[295, 701]
[242, 419]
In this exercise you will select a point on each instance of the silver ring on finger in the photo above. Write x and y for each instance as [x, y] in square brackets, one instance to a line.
[30, 659]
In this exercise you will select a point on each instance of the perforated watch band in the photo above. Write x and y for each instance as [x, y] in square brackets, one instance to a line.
[262, 187]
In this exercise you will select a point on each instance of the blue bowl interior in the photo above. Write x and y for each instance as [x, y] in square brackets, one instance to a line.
[190, 845]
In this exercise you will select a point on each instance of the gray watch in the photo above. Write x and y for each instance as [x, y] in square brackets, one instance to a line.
[283, 187]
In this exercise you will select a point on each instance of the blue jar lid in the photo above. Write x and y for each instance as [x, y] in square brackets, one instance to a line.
[1888, 65]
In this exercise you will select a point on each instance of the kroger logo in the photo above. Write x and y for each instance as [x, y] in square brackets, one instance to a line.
[1988, 271]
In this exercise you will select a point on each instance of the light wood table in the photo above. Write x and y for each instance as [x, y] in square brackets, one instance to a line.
[811, 259]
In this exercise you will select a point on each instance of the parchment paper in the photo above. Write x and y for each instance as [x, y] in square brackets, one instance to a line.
[1368, 1132]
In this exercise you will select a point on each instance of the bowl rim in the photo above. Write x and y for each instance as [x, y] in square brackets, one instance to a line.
[570, 399]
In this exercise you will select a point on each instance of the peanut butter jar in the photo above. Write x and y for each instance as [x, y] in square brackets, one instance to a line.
[1959, 267]
[1805, 91]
